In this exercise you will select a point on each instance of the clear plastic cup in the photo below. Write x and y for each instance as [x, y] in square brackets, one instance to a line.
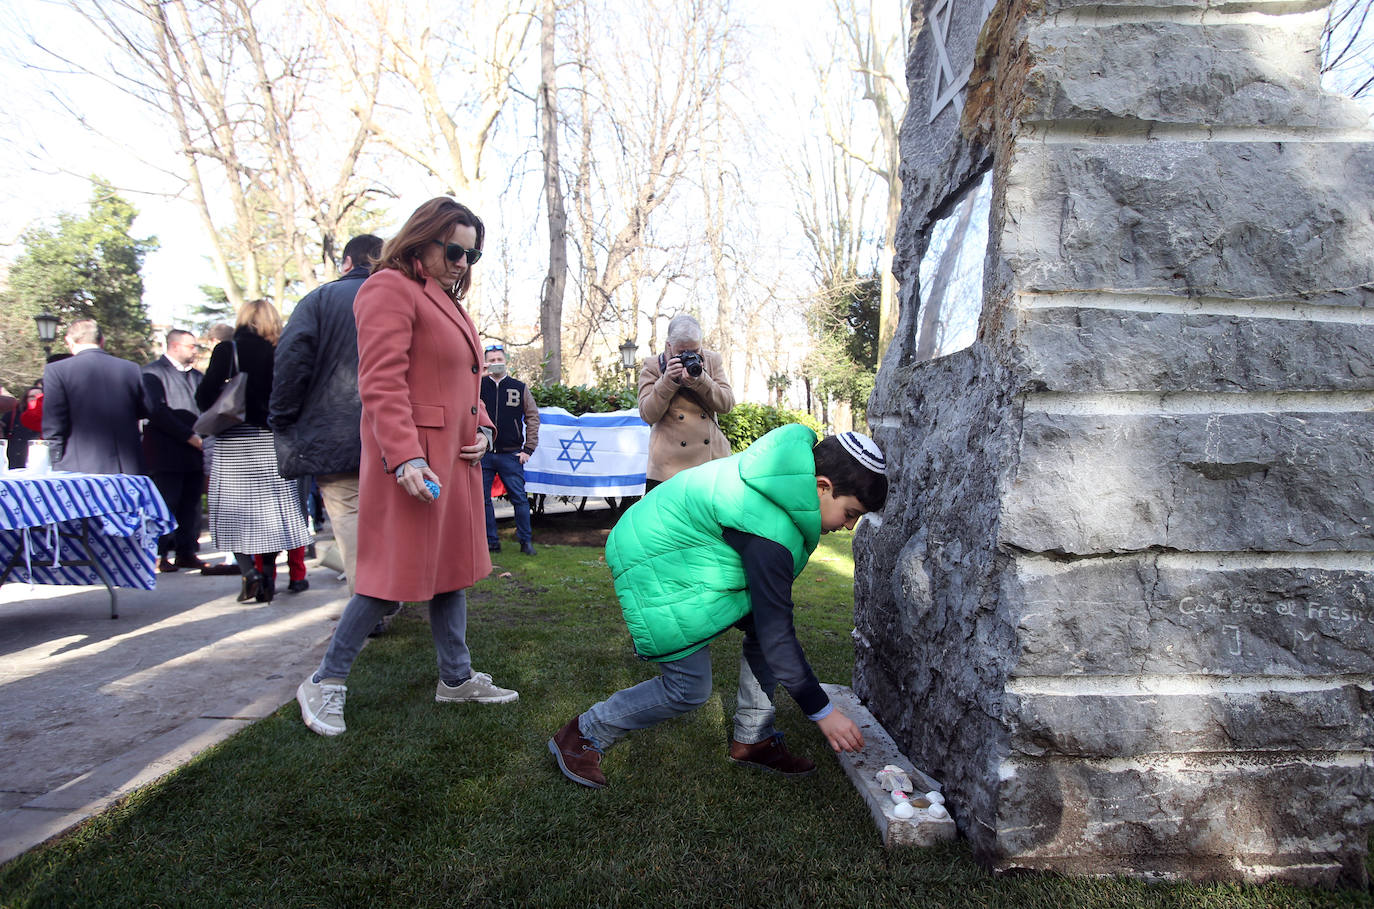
[40, 458]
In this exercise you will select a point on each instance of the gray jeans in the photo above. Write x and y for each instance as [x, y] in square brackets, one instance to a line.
[448, 622]
[682, 686]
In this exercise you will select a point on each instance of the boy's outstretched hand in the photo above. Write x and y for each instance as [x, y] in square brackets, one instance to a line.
[842, 732]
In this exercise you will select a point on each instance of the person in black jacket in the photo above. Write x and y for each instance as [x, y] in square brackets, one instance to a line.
[171, 446]
[315, 412]
[253, 510]
[511, 407]
[92, 403]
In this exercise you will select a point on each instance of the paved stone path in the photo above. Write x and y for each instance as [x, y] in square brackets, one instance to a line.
[92, 708]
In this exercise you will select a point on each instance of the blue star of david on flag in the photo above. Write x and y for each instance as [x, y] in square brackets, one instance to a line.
[576, 459]
[595, 454]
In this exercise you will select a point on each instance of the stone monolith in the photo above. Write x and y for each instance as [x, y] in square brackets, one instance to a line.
[1121, 599]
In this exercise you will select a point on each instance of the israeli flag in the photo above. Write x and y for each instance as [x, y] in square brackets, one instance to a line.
[596, 454]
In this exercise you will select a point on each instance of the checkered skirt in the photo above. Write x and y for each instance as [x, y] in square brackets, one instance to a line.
[252, 509]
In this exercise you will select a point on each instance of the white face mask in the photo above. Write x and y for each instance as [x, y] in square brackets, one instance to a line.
[496, 369]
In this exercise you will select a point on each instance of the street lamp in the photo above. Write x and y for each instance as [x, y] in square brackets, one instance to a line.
[47, 331]
[629, 359]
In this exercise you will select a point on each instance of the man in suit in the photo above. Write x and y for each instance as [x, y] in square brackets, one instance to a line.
[92, 403]
[172, 448]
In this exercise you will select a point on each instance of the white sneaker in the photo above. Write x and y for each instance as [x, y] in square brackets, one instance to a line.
[476, 690]
[322, 704]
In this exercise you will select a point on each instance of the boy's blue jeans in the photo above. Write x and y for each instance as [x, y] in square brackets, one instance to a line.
[512, 473]
[682, 686]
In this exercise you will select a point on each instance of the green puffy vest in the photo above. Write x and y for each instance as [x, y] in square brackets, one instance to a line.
[679, 583]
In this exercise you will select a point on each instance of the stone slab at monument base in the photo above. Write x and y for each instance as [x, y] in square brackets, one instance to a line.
[862, 769]
[1196, 818]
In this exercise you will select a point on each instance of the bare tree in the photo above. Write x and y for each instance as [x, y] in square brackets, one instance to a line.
[645, 90]
[877, 57]
[248, 108]
[1348, 47]
[551, 298]
[831, 193]
[717, 189]
[447, 72]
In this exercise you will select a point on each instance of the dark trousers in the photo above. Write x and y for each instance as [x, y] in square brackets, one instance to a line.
[512, 473]
[181, 491]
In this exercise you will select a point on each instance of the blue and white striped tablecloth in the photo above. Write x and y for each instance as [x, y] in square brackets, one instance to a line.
[127, 516]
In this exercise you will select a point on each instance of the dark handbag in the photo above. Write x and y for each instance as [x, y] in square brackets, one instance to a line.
[230, 408]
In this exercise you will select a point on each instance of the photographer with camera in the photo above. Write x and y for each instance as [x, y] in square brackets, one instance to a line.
[680, 393]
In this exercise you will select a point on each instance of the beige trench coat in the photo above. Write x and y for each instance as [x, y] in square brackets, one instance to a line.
[684, 431]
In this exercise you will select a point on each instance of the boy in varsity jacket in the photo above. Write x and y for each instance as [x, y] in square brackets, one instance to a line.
[719, 546]
[511, 407]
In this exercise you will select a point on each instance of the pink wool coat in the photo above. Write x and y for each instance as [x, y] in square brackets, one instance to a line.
[419, 375]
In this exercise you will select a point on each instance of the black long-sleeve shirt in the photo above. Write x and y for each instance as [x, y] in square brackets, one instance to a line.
[769, 634]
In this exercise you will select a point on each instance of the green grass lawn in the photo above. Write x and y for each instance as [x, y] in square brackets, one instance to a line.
[422, 804]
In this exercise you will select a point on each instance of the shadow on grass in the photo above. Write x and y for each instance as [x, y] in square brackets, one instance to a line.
[422, 804]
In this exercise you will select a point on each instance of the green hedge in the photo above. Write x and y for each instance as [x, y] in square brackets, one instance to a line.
[742, 425]
[580, 399]
[746, 422]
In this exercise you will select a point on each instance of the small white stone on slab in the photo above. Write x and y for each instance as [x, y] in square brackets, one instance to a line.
[921, 829]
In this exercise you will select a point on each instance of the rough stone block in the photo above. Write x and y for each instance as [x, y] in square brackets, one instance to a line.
[1250, 220]
[1213, 6]
[1217, 75]
[1294, 817]
[1100, 726]
[1099, 483]
[1091, 350]
[1150, 615]
[933, 645]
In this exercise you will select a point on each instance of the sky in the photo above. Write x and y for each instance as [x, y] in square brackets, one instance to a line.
[47, 154]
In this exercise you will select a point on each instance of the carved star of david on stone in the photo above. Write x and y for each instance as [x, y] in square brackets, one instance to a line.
[576, 459]
[947, 83]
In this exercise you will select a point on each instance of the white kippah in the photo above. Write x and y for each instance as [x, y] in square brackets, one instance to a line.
[864, 450]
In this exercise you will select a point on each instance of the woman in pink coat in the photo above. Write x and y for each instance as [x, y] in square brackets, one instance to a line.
[421, 534]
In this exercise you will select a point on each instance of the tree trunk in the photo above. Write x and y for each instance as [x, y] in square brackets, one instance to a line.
[888, 306]
[551, 301]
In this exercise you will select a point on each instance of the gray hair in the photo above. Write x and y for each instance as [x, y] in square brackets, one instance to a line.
[683, 328]
[84, 331]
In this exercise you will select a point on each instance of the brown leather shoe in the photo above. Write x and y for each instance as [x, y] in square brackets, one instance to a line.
[770, 755]
[165, 565]
[220, 569]
[577, 757]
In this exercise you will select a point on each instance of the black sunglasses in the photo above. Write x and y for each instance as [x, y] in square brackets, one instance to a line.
[454, 253]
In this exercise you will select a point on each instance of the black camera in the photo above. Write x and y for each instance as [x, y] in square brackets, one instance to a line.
[691, 361]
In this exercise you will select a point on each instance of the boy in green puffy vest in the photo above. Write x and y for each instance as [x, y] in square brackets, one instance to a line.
[716, 546]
